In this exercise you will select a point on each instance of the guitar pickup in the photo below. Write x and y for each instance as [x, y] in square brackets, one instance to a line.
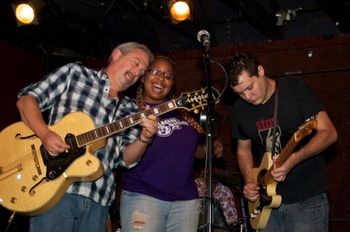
[6, 172]
[256, 211]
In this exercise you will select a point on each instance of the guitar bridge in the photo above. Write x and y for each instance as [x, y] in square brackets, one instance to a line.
[36, 161]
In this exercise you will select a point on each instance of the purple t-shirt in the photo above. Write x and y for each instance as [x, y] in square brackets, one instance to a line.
[165, 170]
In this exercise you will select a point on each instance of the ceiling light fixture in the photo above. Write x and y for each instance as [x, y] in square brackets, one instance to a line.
[26, 12]
[180, 10]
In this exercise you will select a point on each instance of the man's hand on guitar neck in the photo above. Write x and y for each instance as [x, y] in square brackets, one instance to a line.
[279, 174]
[149, 126]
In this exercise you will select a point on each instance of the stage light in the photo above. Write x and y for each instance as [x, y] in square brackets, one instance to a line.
[25, 13]
[179, 10]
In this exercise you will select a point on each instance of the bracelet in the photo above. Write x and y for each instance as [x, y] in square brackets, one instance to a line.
[145, 141]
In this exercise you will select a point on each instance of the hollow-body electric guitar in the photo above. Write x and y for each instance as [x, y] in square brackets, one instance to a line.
[32, 181]
[260, 209]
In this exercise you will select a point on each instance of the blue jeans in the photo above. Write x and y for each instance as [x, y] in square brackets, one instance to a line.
[143, 213]
[310, 215]
[73, 213]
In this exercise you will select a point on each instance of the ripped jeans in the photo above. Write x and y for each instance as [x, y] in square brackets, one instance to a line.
[142, 213]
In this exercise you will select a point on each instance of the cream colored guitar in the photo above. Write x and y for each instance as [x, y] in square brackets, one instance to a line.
[32, 181]
[260, 209]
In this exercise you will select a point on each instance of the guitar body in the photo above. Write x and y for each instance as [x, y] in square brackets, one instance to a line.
[24, 186]
[260, 209]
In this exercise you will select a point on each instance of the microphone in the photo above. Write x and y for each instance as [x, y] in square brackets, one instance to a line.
[203, 37]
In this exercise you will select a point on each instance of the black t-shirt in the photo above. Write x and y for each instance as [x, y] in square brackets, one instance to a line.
[296, 103]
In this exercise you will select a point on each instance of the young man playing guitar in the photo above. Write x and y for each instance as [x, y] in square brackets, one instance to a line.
[294, 199]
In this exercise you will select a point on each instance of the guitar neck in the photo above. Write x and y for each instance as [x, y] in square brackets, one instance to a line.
[122, 124]
[304, 130]
[285, 154]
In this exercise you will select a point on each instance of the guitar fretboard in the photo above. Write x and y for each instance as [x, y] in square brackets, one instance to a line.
[122, 124]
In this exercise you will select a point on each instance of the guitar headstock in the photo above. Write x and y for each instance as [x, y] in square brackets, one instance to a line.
[306, 128]
[196, 99]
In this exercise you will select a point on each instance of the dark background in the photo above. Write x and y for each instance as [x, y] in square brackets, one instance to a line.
[83, 29]
[314, 43]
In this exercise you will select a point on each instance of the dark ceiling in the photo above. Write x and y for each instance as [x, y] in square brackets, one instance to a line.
[91, 28]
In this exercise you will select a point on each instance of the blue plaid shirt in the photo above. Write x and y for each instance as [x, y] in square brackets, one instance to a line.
[75, 88]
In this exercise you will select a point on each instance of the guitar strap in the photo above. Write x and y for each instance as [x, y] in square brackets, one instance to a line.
[273, 152]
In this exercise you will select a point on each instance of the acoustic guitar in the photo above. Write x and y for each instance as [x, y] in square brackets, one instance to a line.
[32, 181]
[260, 209]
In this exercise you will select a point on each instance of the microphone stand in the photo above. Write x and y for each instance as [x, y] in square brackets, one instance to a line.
[210, 125]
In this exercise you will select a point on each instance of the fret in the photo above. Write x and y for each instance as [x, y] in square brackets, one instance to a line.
[163, 107]
[125, 122]
[148, 112]
[115, 126]
[87, 137]
[105, 130]
[136, 117]
[94, 134]
[79, 139]
[100, 132]
[288, 149]
[171, 105]
[120, 124]
[156, 111]
[97, 133]
[90, 136]
[82, 138]
[111, 127]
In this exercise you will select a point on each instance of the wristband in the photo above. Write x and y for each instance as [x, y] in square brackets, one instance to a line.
[144, 141]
